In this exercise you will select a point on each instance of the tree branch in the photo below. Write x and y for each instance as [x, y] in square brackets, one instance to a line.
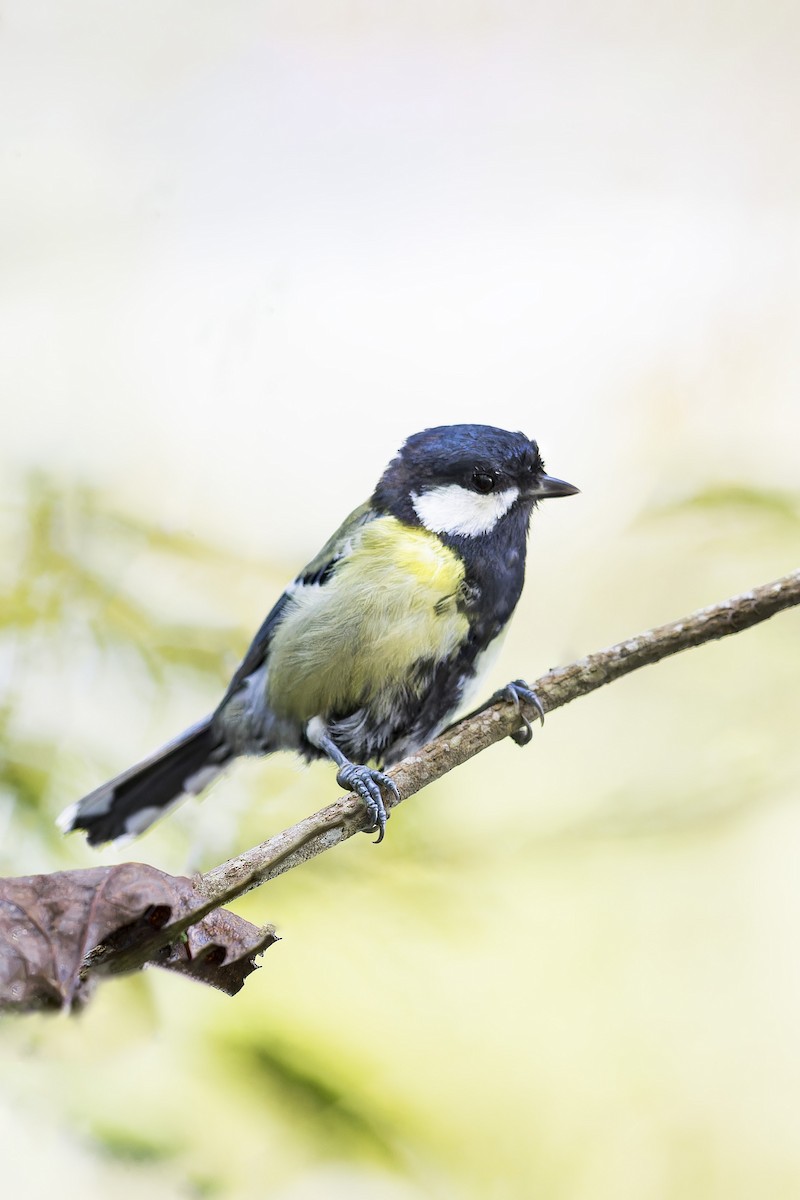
[477, 732]
[162, 910]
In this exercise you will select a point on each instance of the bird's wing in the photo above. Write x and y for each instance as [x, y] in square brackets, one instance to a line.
[320, 568]
[317, 571]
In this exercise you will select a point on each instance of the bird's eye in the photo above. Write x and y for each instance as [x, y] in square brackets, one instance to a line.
[483, 482]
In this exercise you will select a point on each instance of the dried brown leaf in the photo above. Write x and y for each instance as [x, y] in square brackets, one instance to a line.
[58, 931]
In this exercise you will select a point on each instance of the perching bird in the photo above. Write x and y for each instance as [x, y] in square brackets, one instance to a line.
[372, 650]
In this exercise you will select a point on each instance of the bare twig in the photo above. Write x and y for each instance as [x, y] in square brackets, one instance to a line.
[475, 733]
[158, 931]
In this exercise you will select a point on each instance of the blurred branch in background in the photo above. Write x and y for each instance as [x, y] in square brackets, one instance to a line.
[39, 968]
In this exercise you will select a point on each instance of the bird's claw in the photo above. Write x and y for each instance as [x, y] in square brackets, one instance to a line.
[368, 783]
[516, 691]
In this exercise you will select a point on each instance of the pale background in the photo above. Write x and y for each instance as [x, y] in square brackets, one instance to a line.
[246, 249]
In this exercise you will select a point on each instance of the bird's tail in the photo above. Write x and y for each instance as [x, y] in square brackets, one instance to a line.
[127, 805]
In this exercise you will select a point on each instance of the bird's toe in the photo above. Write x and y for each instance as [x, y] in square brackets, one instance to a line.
[368, 783]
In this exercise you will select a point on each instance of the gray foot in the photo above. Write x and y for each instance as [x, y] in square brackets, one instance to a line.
[517, 691]
[368, 784]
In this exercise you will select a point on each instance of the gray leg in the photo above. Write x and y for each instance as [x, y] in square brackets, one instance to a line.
[354, 778]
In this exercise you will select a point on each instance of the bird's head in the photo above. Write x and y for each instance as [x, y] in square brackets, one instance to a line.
[462, 480]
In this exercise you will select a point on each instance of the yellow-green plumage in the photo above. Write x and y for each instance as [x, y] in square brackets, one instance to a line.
[373, 648]
[390, 602]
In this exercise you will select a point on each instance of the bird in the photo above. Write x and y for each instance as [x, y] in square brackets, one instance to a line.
[379, 641]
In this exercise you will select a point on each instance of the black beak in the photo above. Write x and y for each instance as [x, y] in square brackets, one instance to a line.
[547, 486]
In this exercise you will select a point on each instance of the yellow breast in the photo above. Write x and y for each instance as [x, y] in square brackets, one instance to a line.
[390, 602]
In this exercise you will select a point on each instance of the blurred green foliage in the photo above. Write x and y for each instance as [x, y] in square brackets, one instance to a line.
[60, 545]
[65, 593]
[547, 981]
[331, 1111]
[65, 598]
[736, 500]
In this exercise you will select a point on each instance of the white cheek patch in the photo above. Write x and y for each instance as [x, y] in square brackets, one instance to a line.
[458, 510]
